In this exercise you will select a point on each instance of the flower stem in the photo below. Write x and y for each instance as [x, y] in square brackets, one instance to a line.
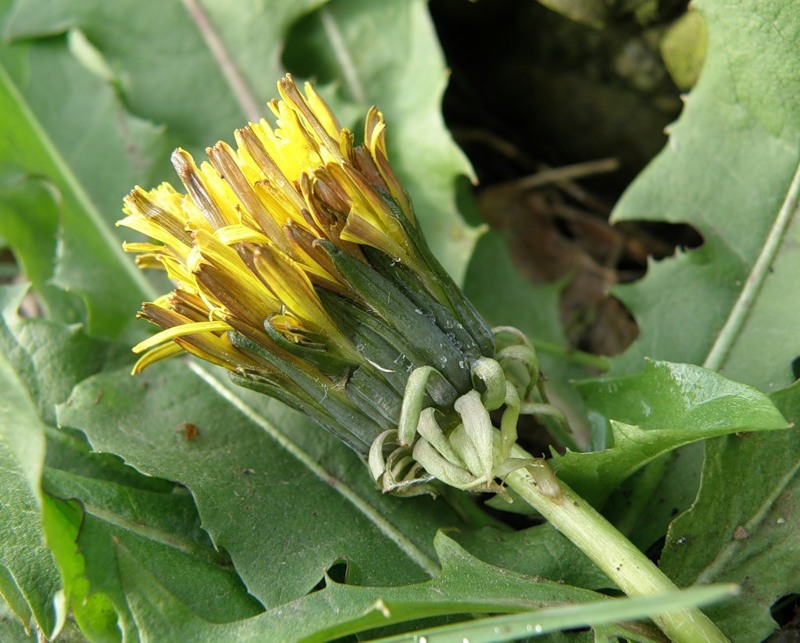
[629, 568]
[570, 355]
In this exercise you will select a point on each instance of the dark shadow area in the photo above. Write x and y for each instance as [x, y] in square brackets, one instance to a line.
[786, 612]
[557, 119]
[532, 84]
[338, 573]
[796, 367]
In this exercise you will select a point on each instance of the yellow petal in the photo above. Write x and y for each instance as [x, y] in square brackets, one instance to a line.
[165, 351]
[195, 185]
[360, 229]
[375, 143]
[143, 247]
[230, 284]
[220, 351]
[180, 331]
[232, 234]
[151, 229]
[178, 272]
[296, 292]
[149, 261]
[308, 124]
[323, 113]
[212, 251]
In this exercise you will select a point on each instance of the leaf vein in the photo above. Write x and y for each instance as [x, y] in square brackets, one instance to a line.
[343, 57]
[720, 562]
[361, 505]
[248, 103]
[755, 280]
[150, 533]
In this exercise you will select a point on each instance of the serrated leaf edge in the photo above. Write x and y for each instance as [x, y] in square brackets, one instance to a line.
[75, 187]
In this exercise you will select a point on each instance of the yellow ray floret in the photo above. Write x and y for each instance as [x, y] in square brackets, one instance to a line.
[297, 293]
[242, 244]
[169, 334]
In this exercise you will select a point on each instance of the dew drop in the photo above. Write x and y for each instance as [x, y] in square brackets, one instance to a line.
[418, 311]
[538, 628]
[443, 360]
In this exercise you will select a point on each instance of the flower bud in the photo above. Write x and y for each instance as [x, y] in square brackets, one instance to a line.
[300, 267]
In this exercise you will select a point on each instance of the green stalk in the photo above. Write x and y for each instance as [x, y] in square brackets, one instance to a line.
[629, 568]
[570, 355]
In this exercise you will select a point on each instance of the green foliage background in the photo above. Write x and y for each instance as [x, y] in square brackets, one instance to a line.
[114, 517]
